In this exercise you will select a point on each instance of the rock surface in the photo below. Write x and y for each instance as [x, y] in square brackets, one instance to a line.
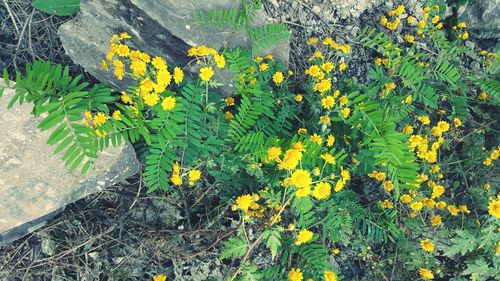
[482, 18]
[34, 183]
[166, 28]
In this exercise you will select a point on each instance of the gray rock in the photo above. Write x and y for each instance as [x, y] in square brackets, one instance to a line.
[34, 183]
[166, 28]
[482, 18]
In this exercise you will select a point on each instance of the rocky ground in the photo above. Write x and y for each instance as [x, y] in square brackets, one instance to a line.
[124, 233]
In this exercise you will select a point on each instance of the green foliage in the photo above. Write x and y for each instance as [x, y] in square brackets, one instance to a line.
[61, 100]
[234, 247]
[262, 37]
[57, 7]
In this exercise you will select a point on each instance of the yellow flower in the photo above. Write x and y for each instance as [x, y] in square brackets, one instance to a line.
[435, 19]
[291, 159]
[298, 98]
[315, 71]
[193, 176]
[99, 119]
[424, 119]
[160, 277]
[138, 68]
[330, 140]
[464, 209]
[229, 101]
[124, 35]
[346, 111]
[151, 99]
[301, 178]
[273, 153]
[163, 77]
[342, 66]
[176, 179]
[206, 73]
[441, 205]
[122, 50]
[464, 35]
[118, 69]
[409, 38]
[425, 274]
[104, 65]
[388, 186]
[263, 66]
[339, 185]
[178, 75]
[244, 202]
[343, 100]
[330, 275]
[437, 191]
[416, 206]
[405, 198]
[117, 115]
[328, 158]
[312, 41]
[390, 86]
[328, 102]
[407, 129]
[383, 20]
[386, 204]
[278, 77]
[229, 115]
[494, 208]
[316, 138]
[323, 85]
[159, 63]
[443, 126]
[327, 66]
[421, 24]
[324, 120]
[220, 61]
[295, 275]
[336, 251]
[322, 190]
[457, 122]
[168, 103]
[427, 245]
[462, 24]
[410, 19]
[483, 96]
[436, 220]
[304, 236]
[487, 162]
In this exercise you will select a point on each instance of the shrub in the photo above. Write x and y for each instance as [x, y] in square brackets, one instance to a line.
[323, 170]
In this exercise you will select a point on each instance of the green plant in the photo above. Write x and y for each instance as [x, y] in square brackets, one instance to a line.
[397, 172]
[57, 7]
[262, 37]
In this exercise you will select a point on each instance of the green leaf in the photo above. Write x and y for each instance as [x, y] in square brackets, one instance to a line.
[273, 241]
[58, 7]
[5, 77]
[463, 243]
[234, 247]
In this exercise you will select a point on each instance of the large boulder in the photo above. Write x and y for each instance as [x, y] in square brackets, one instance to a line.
[482, 18]
[166, 28]
[34, 183]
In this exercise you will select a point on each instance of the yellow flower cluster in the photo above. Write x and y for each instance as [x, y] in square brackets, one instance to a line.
[495, 153]
[494, 207]
[97, 120]
[151, 73]
[248, 204]
[176, 179]
[207, 57]
[304, 236]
